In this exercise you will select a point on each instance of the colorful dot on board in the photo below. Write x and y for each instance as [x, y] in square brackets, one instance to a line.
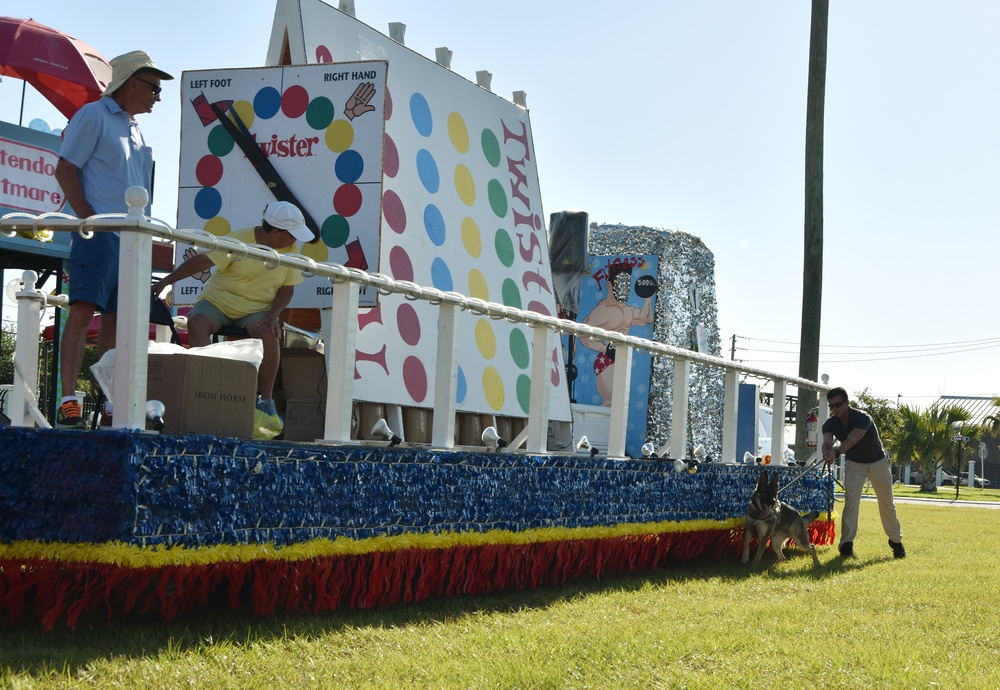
[461, 386]
[408, 324]
[207, 202]
[218, 226]
[400, 264]
[491, 147]
[520, 353]
[347, 200]
[465, 185]
[339, 136]
[390, 157]
[472, 240]
[486, 340]
[267, 102]
[441, 275]
[394, 211]
[510, 293]
[420, 113]
[415, 378]
[317, 251]
[427, 170]
[478, 286]
[504, 247]
[245, 111]
[323, 54]
[434, 225]
[350, 166]
[294, 101]
[458, 133]
[320, 113]
[208, 171]
[523, 391]
[493, 388]
[335, 231]
[219, 141]
[498, 198]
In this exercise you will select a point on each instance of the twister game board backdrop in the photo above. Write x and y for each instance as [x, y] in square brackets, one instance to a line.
[319, 127]
[461, 210]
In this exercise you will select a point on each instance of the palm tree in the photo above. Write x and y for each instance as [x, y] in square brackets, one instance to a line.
[924, 438]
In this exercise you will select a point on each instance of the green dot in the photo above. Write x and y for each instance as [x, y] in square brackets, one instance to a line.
[320, 112]
[524, 392]
[491, 147]
[519, 351]
[510, 294]
[498, 198]
[504, 248]
[219, 141]
[335, 231]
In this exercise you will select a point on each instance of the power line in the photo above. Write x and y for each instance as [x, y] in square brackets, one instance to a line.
[828, 360]
[954, 343]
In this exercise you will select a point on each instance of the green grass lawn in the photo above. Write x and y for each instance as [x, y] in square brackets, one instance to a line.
[946, 493]
[872, 622]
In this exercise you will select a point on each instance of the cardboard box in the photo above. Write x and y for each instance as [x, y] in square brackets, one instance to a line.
[303, 374]
[203, 395]
[304, 419]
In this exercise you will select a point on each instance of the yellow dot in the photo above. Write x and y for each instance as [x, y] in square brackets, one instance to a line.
[339, 136]
[316, 251]
[245, 110]
[458, 133]
[465, 185]
[477, 285]
[493, 388]
[218, 226]
[471, 237]
[486, 341]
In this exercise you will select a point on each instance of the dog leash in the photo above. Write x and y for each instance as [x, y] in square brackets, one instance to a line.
[804, 472]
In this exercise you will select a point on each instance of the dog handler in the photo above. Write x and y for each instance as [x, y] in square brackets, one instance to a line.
[860, 442]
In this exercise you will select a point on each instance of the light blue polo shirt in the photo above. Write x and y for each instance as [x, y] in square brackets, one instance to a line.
[105, 143]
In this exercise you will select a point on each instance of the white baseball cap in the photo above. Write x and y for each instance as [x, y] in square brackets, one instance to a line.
[285, 215]
[124, 66]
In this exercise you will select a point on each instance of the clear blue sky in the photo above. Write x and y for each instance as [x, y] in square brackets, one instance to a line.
[691, 116]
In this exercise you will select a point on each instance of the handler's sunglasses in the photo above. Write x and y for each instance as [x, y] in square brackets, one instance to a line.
[152, 87]
[834, 406]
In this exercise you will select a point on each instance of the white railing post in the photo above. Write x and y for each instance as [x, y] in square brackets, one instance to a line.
[778, 423]
[731, 396]
[620, 387]
[538, 405]
[445, 377]
[135, 269]
[29, 316]
[679, 408]
[340, 348]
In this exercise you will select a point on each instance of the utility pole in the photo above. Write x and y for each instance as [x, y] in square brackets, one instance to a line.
[812, 264]
[732, 352]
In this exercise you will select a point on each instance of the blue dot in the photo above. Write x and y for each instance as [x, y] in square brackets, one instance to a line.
[434, 225]
[427, 169]
[441, 275]
[420, 112]
[349, 166]
[461, 388]
[207, 202]
[267, 102]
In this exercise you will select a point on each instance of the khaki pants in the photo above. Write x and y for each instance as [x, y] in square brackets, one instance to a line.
[855, 474]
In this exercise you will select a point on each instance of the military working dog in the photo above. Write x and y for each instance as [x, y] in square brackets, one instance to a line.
[772, 519]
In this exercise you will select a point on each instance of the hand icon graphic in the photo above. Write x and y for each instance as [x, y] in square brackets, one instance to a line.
[357, 104]
[201, 276]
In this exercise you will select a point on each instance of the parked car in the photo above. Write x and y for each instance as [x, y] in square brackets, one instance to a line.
[979, 482]
[947, 479]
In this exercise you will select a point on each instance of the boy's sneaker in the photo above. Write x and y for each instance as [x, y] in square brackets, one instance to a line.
[69, 416]
[897, 549]
[266, 405]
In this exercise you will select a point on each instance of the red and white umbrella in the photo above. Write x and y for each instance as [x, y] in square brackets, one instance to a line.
[66, 71]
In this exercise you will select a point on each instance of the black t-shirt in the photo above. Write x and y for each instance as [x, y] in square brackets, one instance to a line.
[869, 448]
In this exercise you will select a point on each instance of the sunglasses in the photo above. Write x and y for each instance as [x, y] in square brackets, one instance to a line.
[836, 405]
[152, 87]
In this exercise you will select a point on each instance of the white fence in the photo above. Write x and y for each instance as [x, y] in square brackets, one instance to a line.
[129, 394]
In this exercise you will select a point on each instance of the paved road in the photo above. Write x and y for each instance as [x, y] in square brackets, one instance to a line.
[935, 501]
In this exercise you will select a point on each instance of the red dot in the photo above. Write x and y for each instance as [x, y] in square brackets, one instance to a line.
[347, 200]
[392, 209]
[294, 101]
[399, 264]
[415, 378]
[323, 54]
[208, 171]
[408, 324]
[390, 158]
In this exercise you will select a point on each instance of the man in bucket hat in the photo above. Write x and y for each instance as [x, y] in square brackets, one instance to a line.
[247, 294]
[103, 153]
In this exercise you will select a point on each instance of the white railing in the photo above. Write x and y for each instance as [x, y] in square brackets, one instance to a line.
[129, 394]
